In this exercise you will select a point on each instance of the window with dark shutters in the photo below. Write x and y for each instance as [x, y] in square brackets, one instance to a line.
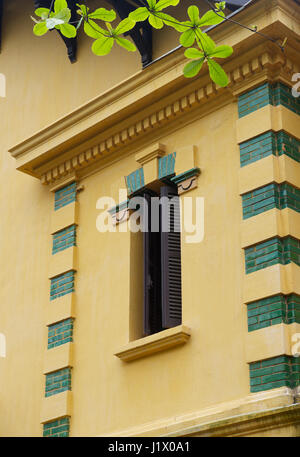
[152, 272]
[170, 257]
[162, 260]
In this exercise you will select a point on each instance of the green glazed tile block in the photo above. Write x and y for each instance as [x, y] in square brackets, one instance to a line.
[267, 94]
[166, 166]
[274, 251]
[278, 309]
[60, 333]
[57, 428]
[273, 195]
[275, 372]
[64, 239]
[62, 285]
[287, 145]
[269, 143]
[65, 196]
[257, 148]
[135, 181]
[282, 95]
[57, 382]
[255, 99]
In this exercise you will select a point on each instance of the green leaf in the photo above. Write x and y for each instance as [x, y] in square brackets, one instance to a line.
[193, 53]
[187, 38]
[151, 3]
[68, 30]
[156, 22]
[184, 26]
[222, 52]
[140, 14]
[42, 12]
[171, 22]
[192, 68]
[102, 46]
[93, 30]
[83, 9]
[211, 18]
[193, 12]
[206, 42]
[124, 26]
[220, 6]
[64, 15]
[217, 73]
[60, 5]
[103, 14]
[40, 29]
[126, 44]
[161, 4]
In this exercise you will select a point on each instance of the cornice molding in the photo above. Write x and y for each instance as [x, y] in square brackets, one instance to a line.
[257, 70]
[144, 104]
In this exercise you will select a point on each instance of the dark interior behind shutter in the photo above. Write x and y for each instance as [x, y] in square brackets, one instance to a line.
[152, 274]
[171, 259]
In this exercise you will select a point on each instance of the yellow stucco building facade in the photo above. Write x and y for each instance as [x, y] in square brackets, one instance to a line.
[74, 358]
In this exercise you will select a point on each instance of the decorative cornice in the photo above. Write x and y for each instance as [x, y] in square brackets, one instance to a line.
[239, 78]
[143, 105]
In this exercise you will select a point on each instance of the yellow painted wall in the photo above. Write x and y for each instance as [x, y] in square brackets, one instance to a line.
[210, 372]
[41, 87]
[181, 380]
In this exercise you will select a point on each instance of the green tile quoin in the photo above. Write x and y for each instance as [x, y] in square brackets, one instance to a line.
[267, 94]
[257, 148]
[65, 196]
[64, 239]
[275, 372]
[254, 99]
[166, 166]
[62, 285]
[57, 428]
[274, 251]
[269, 143]
[273, 195]
[57, 382]
[135, 181]
[287, 145]
[278, 309]
[60, 333]
[282, 95]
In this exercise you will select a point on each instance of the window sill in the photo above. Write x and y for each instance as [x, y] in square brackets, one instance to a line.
[154, 343]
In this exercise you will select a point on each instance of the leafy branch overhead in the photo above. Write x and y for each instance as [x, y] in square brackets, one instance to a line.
[97, 25]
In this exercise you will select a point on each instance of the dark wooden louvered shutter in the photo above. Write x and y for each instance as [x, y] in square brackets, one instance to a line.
[170, 257]
[152, 273]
